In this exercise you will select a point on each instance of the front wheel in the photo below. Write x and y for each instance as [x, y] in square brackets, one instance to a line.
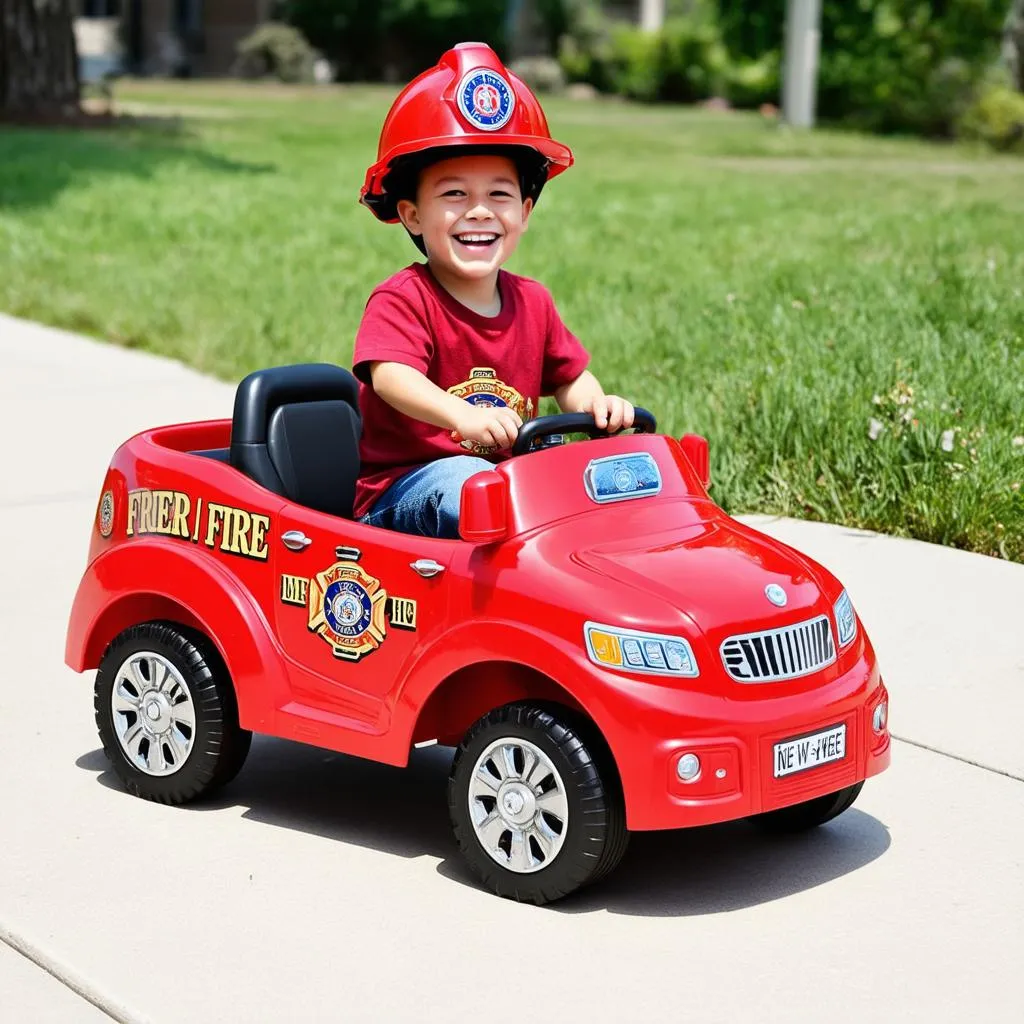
[537, 812]
[811, 813]
[167, 715]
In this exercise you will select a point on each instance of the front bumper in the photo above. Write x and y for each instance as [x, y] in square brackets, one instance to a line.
[734, 740]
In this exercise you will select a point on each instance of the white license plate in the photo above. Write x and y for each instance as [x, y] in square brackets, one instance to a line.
[791, 756]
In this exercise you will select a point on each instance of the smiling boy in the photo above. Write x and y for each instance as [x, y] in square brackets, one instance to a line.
[453, 355]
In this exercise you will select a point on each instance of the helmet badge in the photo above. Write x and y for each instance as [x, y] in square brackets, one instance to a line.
[776, 595]
[485, 99]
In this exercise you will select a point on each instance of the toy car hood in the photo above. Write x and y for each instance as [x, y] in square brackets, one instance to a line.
[714, 571]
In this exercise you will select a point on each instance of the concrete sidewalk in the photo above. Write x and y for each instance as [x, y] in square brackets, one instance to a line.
[323, 888]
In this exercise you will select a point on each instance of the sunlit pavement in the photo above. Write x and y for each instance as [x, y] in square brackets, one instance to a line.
[322, 888]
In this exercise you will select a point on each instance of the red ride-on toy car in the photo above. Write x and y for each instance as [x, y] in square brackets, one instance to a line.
[606, 648]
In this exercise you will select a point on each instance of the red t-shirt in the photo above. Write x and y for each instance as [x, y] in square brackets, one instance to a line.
[510, 359]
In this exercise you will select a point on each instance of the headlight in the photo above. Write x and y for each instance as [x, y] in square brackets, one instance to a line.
[632, 651]
[846, 621]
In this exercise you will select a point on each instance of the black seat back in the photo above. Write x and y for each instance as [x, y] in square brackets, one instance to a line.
[295, 431]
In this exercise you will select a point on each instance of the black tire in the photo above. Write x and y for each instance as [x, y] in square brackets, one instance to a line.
[811, 813]
[218, 746]
[595, 836]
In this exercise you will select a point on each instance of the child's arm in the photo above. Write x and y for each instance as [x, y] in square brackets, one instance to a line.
[411, 393]
[585, 394]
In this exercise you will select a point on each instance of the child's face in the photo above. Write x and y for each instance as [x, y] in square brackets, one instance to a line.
[470, 212]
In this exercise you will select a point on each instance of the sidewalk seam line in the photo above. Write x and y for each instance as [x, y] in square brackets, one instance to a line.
[957, 757]
[66, 977]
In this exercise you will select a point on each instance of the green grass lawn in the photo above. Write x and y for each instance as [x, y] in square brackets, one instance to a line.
[828, 309]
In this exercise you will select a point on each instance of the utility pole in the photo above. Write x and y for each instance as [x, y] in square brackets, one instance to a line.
[800, 74]
[652, 15]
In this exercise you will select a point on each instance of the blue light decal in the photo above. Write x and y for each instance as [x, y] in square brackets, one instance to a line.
[622, 477]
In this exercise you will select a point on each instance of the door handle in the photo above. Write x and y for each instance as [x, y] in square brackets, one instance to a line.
[426, 567]
[295, 540]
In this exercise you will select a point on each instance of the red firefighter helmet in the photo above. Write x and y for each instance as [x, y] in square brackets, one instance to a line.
[469, 99]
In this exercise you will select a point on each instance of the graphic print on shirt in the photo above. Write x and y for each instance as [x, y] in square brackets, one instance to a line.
[484, 389]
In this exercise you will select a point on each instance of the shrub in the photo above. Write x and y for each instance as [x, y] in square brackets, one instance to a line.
[682, 63]
[586, 50]
[886, 65]
[275, 49]
[749, 83]
[541, 74]
[693, 61]
[393, 39]
[634, 68]
[996, 117]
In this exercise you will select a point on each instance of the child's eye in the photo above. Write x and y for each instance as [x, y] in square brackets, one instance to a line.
[501, 194]
[453, 193]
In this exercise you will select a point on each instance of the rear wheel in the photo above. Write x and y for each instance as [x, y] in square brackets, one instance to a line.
[167, 715]
[811, 813]
[536, 811]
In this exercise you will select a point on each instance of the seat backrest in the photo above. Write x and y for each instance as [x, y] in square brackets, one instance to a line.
[295, 430]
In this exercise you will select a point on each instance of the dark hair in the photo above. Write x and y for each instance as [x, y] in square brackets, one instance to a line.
[403, 177]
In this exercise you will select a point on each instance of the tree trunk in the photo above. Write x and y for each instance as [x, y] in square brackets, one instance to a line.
[1013, 42]
[38, 61]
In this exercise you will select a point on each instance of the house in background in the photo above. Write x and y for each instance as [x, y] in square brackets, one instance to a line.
[164, 37]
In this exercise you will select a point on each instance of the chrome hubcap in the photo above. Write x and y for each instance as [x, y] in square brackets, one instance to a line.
[154, 717]
[517, 805]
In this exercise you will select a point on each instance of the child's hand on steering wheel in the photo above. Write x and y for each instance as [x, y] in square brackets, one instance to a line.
[610, 412]
[493, 426]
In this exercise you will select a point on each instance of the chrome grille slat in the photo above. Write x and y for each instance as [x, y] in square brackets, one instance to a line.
[789, 652]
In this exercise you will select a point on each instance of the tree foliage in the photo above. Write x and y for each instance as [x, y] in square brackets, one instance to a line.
[394, 39]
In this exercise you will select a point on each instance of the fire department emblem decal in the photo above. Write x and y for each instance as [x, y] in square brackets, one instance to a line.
[484, 389]
[485, 99]
[347, 608]
[106, 514]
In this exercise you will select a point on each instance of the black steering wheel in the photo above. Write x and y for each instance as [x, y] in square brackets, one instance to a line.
[574, 423]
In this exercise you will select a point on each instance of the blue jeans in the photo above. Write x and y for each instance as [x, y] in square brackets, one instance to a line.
[426, 500]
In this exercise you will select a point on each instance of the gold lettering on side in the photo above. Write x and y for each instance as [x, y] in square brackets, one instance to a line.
[294, 589]
[258, 543]
[402, 612]
[236, 537]
[198, 520]
[171, 514]
[214, 522]
[182, 504]
[146, 525]
[164, 503]
[133, 512]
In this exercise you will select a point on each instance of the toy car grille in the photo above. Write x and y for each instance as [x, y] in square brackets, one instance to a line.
[785, 653]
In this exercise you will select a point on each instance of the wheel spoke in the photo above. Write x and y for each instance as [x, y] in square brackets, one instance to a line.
[123, 699]
[520, 858]
[159, 675]
[132, 740]
[490, 830]
[543, 837]
[530, 761]
[504, 761]
[537, 773]
[140, 681]
[179, 745]
[483, 783]
[184, 714]
[155, 756]
[553, 802]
